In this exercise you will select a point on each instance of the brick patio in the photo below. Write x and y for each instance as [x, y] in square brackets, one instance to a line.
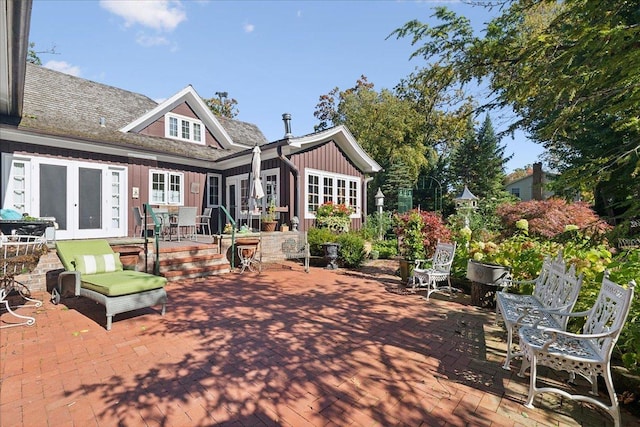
[280, 348]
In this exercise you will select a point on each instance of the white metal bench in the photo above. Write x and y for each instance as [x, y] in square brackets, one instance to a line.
[430, 273]
[587, 354]
[297, 248]
[555, 289]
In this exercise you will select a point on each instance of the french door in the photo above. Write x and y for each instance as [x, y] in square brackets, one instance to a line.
[86, 199]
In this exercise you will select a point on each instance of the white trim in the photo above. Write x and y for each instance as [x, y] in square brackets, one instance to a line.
[188, 95]
[167, 190]
[71, 212]
[345, 140]
[340, 134]
[180, 119]
[207, 203]
[21, 136]
[236, 180]
[335, 177]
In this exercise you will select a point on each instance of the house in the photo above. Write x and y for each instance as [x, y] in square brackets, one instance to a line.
[531, 187]
[85, 153]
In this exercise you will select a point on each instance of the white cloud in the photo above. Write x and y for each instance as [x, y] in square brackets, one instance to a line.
[148, 41]
[161, 15]
[248, 28]
[63, 67]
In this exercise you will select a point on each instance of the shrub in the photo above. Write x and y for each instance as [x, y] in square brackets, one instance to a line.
[549, 218]
[316, 237]
[374, 223]
[419, 232]
[386, 248]
[351, 252]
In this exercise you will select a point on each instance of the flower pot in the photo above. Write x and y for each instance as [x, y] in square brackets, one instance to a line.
[269, 225]
[406, 270]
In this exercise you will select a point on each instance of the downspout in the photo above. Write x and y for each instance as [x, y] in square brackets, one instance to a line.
[367, 180]
[296, 186]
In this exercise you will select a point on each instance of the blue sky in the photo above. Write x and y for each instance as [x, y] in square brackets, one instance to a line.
[273, 57]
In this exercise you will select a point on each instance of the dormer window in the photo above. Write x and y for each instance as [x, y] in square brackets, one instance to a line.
[183, 128]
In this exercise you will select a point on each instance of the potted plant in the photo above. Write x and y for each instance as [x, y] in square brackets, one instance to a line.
[418, 234]
[269, 221]
[334, 216]
[408, 228]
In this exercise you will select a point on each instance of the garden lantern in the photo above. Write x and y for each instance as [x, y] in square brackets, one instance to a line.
[379, 198]
[465, 203]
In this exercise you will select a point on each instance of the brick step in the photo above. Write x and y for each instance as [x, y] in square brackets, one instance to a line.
[198, 258]
[192, 261]
[193, 272]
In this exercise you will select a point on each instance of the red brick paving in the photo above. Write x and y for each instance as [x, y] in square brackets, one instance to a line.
[280, 348]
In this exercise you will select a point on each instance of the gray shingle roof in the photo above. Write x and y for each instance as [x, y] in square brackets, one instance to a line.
[60, 104]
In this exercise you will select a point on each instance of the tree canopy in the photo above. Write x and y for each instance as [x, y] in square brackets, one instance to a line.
[569, 70]
[223, 106]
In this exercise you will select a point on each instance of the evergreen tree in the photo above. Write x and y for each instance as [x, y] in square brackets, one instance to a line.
[394, 179]
[479, 162]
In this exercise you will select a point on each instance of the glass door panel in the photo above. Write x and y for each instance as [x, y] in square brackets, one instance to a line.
[89, 201]
[53, 194]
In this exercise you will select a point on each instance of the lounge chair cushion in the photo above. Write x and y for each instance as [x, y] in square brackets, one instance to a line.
[95, 264]
[122, 282]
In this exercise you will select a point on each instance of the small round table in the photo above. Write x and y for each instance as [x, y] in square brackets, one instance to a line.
[247, 250]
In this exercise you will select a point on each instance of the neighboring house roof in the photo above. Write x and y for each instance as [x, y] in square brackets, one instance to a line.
[545, 175]
[58, 104]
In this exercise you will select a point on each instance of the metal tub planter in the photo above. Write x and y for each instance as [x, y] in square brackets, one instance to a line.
[485, 279]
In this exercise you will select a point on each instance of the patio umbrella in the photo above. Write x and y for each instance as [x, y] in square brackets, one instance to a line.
[257, 191]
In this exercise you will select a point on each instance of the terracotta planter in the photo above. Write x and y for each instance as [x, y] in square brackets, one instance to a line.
[269, 225]
[406, 270]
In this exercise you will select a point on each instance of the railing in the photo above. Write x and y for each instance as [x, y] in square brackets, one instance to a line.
[230, 220]
[148, 211]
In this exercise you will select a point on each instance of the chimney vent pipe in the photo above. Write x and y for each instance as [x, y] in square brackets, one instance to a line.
[286, 117]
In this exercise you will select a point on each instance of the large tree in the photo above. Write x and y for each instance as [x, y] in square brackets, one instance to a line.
[479, 162]
[387, 127]
[222, 106]
[569, 70]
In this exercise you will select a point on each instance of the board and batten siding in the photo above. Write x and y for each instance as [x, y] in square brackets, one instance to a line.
[326, 157]
[157, 128]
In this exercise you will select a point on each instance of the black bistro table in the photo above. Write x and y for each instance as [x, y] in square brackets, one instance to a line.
[23, 227]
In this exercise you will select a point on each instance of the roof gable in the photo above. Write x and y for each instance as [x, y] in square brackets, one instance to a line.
[187, 95]
[344, 139]
[340, 135]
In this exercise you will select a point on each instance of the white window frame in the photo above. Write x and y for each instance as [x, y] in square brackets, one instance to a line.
[18, 187]
[217, 196]
[353, 188]
[271, 187]
[241, 183]
[189, 122]
[167, 190]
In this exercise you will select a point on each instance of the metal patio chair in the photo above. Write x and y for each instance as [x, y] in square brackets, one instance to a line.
[433, 272]
[587, 354]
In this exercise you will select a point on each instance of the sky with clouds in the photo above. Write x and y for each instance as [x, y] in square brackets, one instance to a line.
[273, 57]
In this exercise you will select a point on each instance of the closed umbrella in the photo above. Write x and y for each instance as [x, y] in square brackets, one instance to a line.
[257, 192]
